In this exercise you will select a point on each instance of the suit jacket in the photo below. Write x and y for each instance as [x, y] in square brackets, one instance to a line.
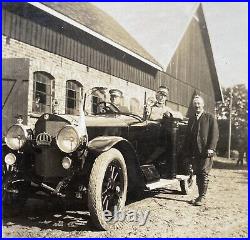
[207, 134]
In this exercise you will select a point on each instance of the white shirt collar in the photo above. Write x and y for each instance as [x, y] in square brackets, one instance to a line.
[198, 115]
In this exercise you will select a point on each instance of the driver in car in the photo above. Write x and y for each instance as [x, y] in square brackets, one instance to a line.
[115, 99]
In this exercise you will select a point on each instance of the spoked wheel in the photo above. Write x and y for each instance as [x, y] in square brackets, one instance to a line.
[112, 187]
[107, 189]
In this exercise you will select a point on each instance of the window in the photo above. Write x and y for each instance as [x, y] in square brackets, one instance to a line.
[74, 93]
[98, 95]
[43, 92]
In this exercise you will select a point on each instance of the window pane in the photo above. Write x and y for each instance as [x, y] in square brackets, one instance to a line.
[71, 103]
[42, 98]
[71, 94]
[41, 87]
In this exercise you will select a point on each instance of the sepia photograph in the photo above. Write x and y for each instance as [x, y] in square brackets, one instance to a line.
[125, 119]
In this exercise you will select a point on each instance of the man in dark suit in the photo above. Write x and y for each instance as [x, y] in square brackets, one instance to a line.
[201, 141]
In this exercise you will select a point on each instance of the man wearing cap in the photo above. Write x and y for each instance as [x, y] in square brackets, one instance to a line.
[200, 144]
[115, 98]
[159, 109]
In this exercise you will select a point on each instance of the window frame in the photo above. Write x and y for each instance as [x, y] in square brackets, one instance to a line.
[77, 88]
[43, 78]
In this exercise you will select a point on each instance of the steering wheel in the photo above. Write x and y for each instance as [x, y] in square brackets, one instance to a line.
[107, 107]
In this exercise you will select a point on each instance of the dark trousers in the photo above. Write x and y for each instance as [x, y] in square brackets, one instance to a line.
[202, 183]
[202, 166]
[240, 159]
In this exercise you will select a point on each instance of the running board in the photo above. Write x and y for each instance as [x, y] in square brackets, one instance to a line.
[182, 177]
[164, 182]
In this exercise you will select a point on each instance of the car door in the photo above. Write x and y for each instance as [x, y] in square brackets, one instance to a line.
[145, 137]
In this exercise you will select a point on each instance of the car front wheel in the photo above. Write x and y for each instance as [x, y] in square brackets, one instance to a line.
[107, 190]
[13, 198]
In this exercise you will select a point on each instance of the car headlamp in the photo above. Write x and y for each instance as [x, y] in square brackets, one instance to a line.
[68, 139]
[10, 159]
[16, 136]
[66, 162]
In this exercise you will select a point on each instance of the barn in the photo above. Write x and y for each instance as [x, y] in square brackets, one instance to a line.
[61, 51]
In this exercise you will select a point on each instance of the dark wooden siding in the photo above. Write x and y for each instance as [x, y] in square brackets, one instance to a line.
[65, 40]
[190, 68]
[181, 92]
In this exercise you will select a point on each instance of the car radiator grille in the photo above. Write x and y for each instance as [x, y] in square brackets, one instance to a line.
[48, 157]
[50, 127]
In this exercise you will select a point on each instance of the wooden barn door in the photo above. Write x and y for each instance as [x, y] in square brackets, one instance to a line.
[14, 92]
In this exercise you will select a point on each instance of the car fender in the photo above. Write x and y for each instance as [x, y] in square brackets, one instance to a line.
[102, 144]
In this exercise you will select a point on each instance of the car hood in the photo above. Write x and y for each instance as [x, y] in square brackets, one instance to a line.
[107, 120]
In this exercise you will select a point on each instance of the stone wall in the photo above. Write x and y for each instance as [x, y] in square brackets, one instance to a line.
[63, 69]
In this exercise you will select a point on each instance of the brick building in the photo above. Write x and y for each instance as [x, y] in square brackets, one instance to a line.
[60, 51]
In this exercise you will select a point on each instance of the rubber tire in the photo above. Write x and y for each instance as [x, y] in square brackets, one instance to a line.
[95, 187]
[13, 204]
[186, 187]
[14, 208]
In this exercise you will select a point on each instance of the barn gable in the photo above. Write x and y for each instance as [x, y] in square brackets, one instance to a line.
[193, 62]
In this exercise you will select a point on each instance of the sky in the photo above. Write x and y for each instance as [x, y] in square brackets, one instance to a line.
[158, 27]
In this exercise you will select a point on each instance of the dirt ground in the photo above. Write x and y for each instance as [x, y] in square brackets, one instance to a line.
[225, 213]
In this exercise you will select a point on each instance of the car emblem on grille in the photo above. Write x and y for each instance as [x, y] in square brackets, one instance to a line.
[43, 139]
[46, 116]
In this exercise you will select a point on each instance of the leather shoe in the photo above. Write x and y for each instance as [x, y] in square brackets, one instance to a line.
[200, 202]
[193, 201]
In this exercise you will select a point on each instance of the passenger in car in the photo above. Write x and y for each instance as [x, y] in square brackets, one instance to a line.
[159, 109]
[115, 99]
[158, 112]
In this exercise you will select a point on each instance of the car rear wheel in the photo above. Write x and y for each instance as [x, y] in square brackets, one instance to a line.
[107, 190]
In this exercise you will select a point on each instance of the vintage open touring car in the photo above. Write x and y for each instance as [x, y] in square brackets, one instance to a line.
[99, 159]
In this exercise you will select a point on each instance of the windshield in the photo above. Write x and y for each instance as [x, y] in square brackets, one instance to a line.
[109, 108]
[100, 101]
[106, 107]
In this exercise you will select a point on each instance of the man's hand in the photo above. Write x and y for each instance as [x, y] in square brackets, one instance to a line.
[167, 114]
[147, 110]
[210, 153]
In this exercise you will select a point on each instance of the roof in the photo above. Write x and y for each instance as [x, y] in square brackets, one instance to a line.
[100, 24]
